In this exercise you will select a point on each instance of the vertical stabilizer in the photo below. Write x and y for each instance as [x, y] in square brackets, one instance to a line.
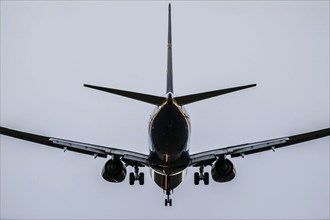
[169, 86]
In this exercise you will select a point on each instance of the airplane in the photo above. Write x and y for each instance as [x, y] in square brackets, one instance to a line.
[169, 133]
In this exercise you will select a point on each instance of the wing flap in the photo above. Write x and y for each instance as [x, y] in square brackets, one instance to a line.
[291, 140]
[130, 157]
[47, 141]
[208, 157]
[125, 154]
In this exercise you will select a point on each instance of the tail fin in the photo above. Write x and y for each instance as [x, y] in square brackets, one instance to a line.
[169, 86]
[181, 100]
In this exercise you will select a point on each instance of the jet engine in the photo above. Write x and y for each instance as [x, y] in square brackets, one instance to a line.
[114, 171]
[223, 171]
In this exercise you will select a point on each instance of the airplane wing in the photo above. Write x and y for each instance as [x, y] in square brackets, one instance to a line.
[129, 157]
[208, 157]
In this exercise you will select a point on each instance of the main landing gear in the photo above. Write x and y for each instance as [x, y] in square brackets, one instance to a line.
[205, 176]
[136, 176]
[168, 201]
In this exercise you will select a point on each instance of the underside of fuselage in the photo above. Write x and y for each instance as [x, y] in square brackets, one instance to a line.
[169, 133]
[167, 182]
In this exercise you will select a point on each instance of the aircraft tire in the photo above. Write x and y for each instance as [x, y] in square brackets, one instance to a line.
[141, 178]
[206, 178]
[131, 178]
[196, 178]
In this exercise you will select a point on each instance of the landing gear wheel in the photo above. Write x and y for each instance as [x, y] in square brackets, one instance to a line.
[168, 202]
[196, 178]
[131, 178]
[141, 178]
[201, 175]
[136, 176]
[206, 178]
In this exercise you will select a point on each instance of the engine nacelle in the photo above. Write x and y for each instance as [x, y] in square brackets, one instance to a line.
[223, 171]
[114, 171]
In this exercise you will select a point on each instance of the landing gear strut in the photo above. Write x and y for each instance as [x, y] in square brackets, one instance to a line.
[168, 201]
[205, 176]
[136, 176]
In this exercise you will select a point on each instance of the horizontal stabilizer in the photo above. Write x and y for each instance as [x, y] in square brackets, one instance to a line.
[156, 100]
[184, 100]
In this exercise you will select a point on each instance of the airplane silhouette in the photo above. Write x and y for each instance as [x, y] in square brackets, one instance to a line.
[169, 132]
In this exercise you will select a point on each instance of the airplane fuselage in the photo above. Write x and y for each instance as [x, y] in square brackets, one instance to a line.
[169, 131]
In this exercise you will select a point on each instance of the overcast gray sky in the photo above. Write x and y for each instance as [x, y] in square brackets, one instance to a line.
[50, 49]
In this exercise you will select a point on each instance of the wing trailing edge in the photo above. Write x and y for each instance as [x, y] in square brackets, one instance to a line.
[129, 157]
[208, 157]
[46, 141]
